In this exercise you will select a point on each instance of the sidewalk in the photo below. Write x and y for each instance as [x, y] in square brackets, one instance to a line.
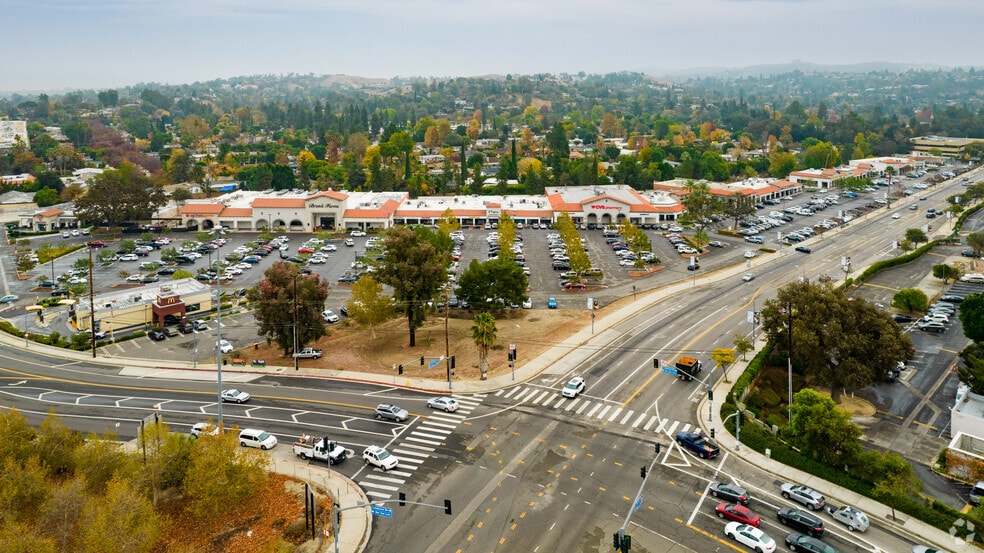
[906, 526]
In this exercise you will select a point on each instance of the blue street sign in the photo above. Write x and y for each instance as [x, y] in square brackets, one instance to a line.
[434, 363]
[380, 511]
[638, 504]
[670, 370]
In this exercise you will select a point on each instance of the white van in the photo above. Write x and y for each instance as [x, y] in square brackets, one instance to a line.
[251, 437]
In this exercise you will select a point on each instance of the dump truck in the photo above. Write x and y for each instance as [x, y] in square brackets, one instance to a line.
[321, 449]
[687, 368]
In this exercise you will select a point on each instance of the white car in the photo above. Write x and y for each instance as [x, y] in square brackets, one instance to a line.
[224, 346]
[749, 254]
[329, 316]
[528, 303]
[329, 248]
[204, 428]
[627, 262]
[750, 536]
[747, 277]
[378, 456]
[573, 387]
[243, 266]
[444, 403]
[357, 233]
[896, 216]
[134, 278]
[128, 257]
[235, 396]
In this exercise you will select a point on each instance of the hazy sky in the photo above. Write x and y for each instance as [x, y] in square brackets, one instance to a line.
[59, 44]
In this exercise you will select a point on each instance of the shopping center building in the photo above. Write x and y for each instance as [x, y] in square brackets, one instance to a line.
[301, 211]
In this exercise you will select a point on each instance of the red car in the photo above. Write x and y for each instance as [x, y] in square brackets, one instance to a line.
[739, 513]
[96, 244]
[574, 286]
[305, 249]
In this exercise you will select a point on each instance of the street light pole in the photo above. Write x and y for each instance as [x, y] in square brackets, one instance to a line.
[789, 356]
[218, 334]
[740, 413]
[294, 302]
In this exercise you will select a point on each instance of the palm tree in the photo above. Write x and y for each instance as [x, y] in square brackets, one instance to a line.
[484, 334]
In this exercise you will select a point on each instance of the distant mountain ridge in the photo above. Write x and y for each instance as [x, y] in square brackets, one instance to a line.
[795, 65]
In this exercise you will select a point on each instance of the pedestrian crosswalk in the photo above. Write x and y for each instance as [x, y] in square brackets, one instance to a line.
[417, 446]
[601, 410]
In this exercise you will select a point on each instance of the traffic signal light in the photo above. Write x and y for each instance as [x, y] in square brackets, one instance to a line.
[655, 363]
[710, 395]
[421, 360]
[642, 471]
[452, 361]
[657, 448]
[400, 369]
[616, 541]
[447, 506]
[403, 499]
[626, 543]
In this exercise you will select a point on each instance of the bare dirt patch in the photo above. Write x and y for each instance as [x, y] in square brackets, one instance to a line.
[352, 348]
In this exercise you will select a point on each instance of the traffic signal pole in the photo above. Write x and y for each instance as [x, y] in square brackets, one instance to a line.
[624, 540]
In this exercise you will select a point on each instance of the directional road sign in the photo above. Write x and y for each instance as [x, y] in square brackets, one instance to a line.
[670, 370]
[380, 511]
[434, 363]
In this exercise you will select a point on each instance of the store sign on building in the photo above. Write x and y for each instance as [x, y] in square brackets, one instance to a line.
[323, 206]
[605, 207]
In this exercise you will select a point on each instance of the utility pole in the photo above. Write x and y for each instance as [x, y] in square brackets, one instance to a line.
[294, 302]
[218, 332]
[92, 311]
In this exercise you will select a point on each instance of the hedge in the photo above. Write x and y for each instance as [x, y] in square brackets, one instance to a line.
[879, 266]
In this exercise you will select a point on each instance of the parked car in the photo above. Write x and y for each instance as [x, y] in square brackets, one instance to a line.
[200, 325]
[444, 403]
[731, 492]
[329, 316]
[807, 496]
[738, 512]
[900, 318]
[551, 303]
[9, 298]
[750, 536]
[156, 335]
[931, 327]
[170, 331]
[801, 520]
[699, 444]
[235, 396]
[391, 412]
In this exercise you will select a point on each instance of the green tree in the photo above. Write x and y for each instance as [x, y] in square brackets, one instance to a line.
[822, 430]
[742, 345]
[916, 236]
[182, 273]
[945, 272]
[168, 255]
[492, 285]
[821, 155]
[448, 223]
[972, 371]
[19, 537]
[288, 304]
[18, 436]
[971, 315]
[836, 343]
[701, 205]
[976, 241]
[910, 300]
[899, 483]
[57, 445]
[415, 269]
[23, 486]
[738, 206]
[119, 195]
[46, 197]
[484, 334]
[368, 305]
[127, 246]
[723, 357]
[120, 521]
[781, 164]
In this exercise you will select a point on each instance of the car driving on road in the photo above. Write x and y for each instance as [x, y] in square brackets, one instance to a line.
[391, 412]
[802, 494]
[235, 396]
[444, 403]
[573, 387]
[699, 444]
[731, 492]
[379, 457]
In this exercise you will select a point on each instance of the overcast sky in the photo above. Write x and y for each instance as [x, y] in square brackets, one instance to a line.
[71, 44]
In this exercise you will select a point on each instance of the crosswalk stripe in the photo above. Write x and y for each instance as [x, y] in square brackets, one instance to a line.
[642, 417]
[498, 392]
[601, 415]
[560, 401]
[511, 392]
[520, 397]
[628, 415]
[419, 447]
[686, 428]
[365, 483]
[378, 495]
[427, 435]
[614, 414]
[423, 441]
[396, 472]
[448, 417]
[652, 420]
[404, 452]
[672, 427]
[375, 476]
[570, 404]
[540, 398]
[593, 409]
[661, 425]
[431, 423]
[583, 407]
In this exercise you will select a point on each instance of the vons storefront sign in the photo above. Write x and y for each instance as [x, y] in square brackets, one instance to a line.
[323, 206]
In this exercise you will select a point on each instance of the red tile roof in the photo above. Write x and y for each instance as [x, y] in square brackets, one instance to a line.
[285, 203]
[202, 209]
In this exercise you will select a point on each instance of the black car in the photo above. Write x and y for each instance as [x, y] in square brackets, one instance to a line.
[968, 253]
[799, 542]
[801, 520]
[46, 284]
[59, 292]
[156, 335]
[730, 492]
[348, 278]
[900, 318]
[803, 249]
[149, 278]
[166, 271]
[951, 299]
[186, 328]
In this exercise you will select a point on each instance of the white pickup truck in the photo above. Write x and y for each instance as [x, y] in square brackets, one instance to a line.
[321, 449]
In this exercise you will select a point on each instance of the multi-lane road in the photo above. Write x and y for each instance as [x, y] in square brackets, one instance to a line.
[526, 469]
